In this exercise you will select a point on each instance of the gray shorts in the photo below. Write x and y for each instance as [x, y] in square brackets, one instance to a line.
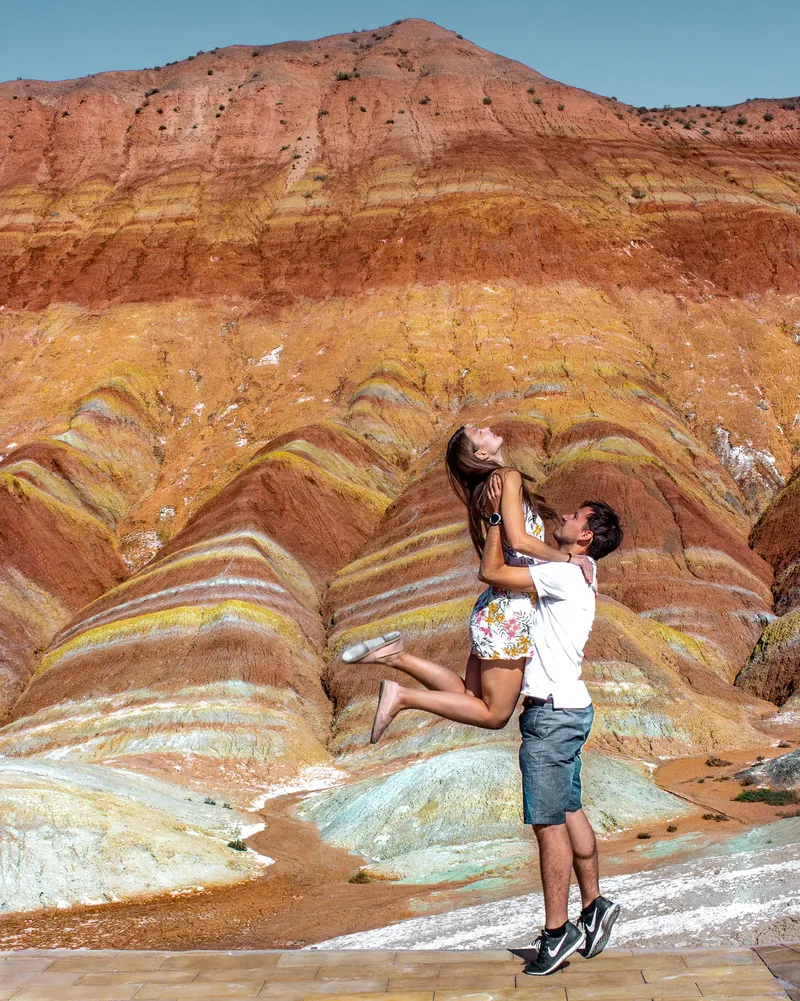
[550, 760]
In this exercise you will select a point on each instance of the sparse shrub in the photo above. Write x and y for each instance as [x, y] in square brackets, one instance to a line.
[342, 75]
[719, 817]
[307, 194]
[210, 801]
[163, 128]
[638, 193]
[531, 90]
[671, 828]
[425, 100]
[362, 108]
[620, 117]
[352, 99]
[714, 762]
[218, 114]
[138, 111]
[320, 177]
[296, 156]
[65, 114]
[321, 113]
[221, 107]
[390, 121]
[359, 877]
[688, 125]
[665, 121]
[537, 100]
[613, 98]
[560, 107]
[741, 120]
[174, 109]
[768, 116]
[459, 36]
[282, 121]
[644, 835]
[772, 797]
[211, 72]
[487, 100]
[238, 845]
[159, 111]
[788, 107]
[227, 806]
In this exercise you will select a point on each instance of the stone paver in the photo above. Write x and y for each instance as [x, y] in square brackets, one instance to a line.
[405, 975]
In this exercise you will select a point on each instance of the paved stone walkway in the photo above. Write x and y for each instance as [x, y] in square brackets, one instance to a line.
[627, 975]
[784, 962]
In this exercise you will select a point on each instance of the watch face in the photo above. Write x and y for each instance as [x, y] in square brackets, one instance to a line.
[495, 519]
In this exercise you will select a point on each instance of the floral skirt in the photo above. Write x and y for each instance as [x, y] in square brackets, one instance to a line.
[501, 623]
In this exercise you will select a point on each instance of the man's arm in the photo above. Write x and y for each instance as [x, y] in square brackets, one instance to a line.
[493, 566]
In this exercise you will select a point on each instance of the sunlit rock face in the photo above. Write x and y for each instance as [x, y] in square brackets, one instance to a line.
[61, 498]
[772, 671]
[240, 317]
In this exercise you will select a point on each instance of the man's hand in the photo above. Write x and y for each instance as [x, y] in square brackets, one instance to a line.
[494, 493]
[587, 568]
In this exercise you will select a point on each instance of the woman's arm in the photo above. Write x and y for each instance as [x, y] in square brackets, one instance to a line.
[514, 523]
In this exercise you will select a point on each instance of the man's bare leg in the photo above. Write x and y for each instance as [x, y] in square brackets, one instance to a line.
[555, 864]
[584, 856]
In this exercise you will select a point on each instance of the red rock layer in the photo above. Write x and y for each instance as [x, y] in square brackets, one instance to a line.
[311, 169]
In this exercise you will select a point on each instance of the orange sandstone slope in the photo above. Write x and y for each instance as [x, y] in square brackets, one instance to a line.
[243, 301]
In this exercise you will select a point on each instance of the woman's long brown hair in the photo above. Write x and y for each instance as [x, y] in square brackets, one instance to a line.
[469, 476]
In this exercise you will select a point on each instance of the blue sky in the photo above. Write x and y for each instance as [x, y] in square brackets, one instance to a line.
[645, 52]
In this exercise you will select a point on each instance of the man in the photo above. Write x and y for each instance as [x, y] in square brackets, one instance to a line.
[555, 723]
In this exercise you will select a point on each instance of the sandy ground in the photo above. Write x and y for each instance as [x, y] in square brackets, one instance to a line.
[305, 898]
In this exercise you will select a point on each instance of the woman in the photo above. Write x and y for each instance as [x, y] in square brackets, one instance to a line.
[500, 621]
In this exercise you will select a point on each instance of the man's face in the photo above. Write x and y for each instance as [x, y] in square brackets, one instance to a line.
[573, 528]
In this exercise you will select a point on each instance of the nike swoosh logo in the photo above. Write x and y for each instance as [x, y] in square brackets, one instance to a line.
[590, 928]
[553, 952]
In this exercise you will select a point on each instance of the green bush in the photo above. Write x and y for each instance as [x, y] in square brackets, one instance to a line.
[211, 72]
[238, 845]
[531, 90]
[772, 797]
[560, 107]
[537, 100]
[321, 113]
[362, 877]
[162, 128]
[487, 100]
[341, 75]
[644, 835]
[362, 108]
[741, 120]
[352, 99]
[282, 121]
[390, 121]
[768, 116]
[637, 193]
[149, 93]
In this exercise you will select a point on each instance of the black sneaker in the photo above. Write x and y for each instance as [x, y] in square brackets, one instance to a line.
[554, 949]
[597, 922]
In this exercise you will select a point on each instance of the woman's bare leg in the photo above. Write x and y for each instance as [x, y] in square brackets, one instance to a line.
[501, 682]
[433, 676]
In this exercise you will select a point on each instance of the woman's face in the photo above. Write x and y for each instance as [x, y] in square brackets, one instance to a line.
[486, 443]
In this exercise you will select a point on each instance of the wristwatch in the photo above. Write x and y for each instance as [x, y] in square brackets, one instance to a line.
[495, 519]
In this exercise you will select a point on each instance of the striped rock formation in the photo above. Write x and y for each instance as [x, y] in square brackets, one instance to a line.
[244, 300]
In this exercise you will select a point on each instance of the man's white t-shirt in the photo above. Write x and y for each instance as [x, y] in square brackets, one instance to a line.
[562, 620]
